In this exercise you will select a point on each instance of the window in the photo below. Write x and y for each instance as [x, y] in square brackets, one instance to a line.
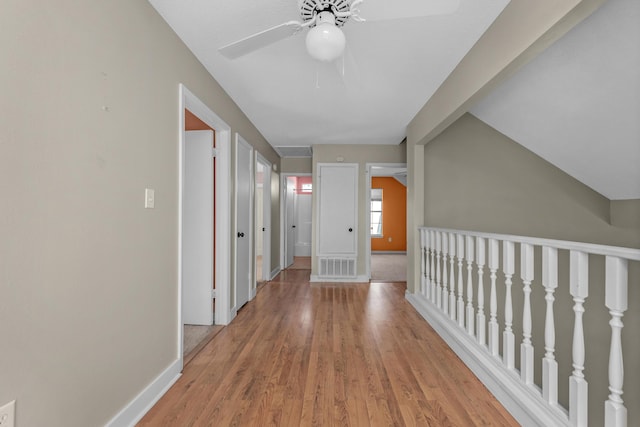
[376, 212]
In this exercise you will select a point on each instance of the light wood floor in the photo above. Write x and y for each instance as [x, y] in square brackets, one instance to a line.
[327, 355]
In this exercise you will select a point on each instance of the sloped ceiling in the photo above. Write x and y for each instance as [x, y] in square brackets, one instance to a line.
[577, 105]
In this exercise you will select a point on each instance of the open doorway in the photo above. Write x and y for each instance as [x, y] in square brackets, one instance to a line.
[263, 220]
[297, 190]
[203, 224]
[387, 230]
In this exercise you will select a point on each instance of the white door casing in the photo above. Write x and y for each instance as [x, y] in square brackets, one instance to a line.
[222, 262]
[197, 229]
[244, 259]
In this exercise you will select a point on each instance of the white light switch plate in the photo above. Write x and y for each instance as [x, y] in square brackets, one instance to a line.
[8, 414]
[149, 198]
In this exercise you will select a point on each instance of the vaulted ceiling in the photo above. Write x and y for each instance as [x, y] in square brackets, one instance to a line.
[577, 104]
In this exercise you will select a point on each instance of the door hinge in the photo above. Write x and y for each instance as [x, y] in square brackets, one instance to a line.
[214, 152]
[214, 294]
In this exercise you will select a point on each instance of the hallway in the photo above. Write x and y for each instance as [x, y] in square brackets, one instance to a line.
[325, 355]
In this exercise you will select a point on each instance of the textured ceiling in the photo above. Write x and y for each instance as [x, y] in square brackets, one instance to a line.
[577, 105]
[390, 69]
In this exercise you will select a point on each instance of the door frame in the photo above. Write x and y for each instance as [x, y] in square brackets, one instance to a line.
[266, 216]
[187, 100]
[239, 140]
[368, 171]
[283, 213]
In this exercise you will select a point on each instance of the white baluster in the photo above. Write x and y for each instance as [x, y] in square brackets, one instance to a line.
[578, 386]
[445, 279]
[432, 283]
[460, 254]
[438, 295]
[452, 277]
[494, 259]
[508, 338]
[480, 317]
[423, 264]
[470, 309]
[549, 364]
[616, 299]
[425, 234]
[526, 349]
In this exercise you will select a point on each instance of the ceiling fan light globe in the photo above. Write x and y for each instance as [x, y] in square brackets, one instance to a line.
[325, 42]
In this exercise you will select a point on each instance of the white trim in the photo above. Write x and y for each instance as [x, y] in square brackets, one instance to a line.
[367, 246]
[275, 272]
[592, 248]
[188, 100]
[357, 279]
[144, 401]
[525, 406]
[239, 140]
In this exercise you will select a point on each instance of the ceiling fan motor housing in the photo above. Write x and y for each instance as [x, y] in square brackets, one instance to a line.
[310, 8]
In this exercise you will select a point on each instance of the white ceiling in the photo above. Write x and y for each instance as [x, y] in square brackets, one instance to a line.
[577, 105]
[390, 69]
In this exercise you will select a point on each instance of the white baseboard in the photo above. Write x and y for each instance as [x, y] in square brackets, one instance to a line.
[275, 272]
[523, 402]
[143, 402]
[357, 279]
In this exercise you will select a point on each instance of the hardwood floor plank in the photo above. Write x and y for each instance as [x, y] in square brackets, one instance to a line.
[304, 354]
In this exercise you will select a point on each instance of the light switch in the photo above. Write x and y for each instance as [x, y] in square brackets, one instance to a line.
[149, 198]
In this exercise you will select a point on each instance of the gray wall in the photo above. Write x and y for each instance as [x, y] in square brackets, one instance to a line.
[88, 277]
[478, 179]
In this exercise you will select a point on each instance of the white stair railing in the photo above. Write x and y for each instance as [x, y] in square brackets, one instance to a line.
[446, 299]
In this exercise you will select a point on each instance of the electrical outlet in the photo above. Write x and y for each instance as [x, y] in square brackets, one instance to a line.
[8, 414]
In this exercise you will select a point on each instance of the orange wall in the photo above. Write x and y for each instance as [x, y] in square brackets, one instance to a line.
[394, 215]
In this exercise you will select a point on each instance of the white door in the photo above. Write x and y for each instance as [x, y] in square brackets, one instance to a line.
[197, 229]
[303, 224]
[244, 228]
[263, 218]
[290, 225]
[337, 208]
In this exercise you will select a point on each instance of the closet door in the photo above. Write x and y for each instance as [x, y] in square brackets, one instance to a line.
[337, 209]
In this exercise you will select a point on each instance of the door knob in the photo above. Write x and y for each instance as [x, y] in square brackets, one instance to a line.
[293, 226]
[350, 230]
[240, 234]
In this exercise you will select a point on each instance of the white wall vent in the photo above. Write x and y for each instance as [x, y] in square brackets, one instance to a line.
[336, 268]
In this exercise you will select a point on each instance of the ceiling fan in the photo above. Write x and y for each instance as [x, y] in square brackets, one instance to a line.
[325, 40]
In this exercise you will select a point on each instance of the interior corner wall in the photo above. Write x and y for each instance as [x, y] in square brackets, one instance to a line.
[394, 215]
[88, 277]
[478, 179]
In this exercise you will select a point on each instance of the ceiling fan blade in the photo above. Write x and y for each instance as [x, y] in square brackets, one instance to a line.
[383, 10]
[259, 40]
